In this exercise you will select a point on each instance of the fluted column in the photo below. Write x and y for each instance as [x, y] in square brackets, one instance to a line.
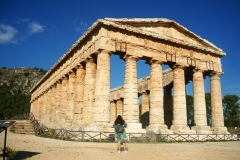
[89, 91]
[179, 125]
[131, 108]
[63, 101]
[156, 116]
[216, 102]
[145, 110]
[168, 106]
[102, 87]
[112, 111]
[119, 107]
[79, 92]
[57, 104]
[200, 116]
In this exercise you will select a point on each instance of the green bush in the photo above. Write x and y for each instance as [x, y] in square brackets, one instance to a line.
[9, 152]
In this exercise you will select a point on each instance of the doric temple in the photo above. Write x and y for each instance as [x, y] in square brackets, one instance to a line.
[75, 93]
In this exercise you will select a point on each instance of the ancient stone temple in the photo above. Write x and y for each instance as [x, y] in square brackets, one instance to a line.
[75, 93]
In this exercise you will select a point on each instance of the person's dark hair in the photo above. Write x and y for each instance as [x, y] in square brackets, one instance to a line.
[119, 120]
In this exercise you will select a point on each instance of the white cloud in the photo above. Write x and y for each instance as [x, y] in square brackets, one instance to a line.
[35, 27]
[7, 34]
[80, 27]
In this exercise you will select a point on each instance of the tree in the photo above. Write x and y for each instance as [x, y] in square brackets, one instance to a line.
[26, 74]
[190, 110]
[209, 108]
[10, 104]
[231, 109]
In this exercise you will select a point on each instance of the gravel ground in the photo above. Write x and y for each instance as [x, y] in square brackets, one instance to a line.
[31, 147]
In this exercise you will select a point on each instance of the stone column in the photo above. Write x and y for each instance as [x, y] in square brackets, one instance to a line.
[52, 106]
[179, 125]
[119, 107]
[102, 87]
[35, 111]
[89, 91]
[44, 108]
[131, 106]
[112, 111]
[168, 106]
[79, 98]
[57, 104]
[40, 101]
[156, 117]
[216, 102]
[145, 110]
[63, 101]
[48, 106]
[70, 98]
[200, 116]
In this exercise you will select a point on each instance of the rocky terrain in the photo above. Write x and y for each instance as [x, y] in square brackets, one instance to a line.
[23, 78]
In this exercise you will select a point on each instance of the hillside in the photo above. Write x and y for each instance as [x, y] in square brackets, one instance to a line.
[21, 79]
[15, 84]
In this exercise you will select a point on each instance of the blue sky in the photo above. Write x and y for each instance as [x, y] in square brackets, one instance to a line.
[36, 33]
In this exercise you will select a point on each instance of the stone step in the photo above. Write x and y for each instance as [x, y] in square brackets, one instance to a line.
[22, 127]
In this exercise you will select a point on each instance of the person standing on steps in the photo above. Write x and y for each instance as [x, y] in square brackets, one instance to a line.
[120, 133]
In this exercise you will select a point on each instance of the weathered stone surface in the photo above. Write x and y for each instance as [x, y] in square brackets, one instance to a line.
[102, 87]
[79, 95]
[89, 91]
[79, 82]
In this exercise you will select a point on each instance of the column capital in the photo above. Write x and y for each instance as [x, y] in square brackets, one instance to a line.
[176, 66]
[103, 51]
[90, 60]
[154, 61]
[80, 66]
[125, 57]
[197, 70]
[145, 91]
[71, 72]
[218, 74]
[64, 77]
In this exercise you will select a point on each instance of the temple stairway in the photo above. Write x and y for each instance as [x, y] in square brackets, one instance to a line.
[22, 127]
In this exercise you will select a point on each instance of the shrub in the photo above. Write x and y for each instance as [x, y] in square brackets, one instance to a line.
[26, 74]
[9, 152]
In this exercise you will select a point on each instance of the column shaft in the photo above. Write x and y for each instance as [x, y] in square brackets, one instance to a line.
[216, 102]
[44, 108]
[89, 91]
[200, 116]
[156, 103]
[52, 106]
[131, 108]
[119, 107]
[58, 104]
[40, 99]
[79, 98]
[63, 101]
[112, 111]
[145, 110]
[70, 98]
[102, 87]
[179, 125]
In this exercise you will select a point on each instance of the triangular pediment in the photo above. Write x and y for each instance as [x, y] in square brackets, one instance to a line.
[167, 29]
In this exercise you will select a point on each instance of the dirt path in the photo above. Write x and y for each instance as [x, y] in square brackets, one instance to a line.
[31, 147]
